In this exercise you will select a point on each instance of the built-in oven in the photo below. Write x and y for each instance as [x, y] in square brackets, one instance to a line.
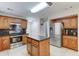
[15, 41]
[15, 35]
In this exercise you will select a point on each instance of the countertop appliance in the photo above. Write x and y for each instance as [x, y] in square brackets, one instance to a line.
[56, 34]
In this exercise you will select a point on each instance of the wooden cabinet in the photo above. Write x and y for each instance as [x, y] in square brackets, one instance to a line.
[24, 39]
[44, 48]
[3, 23]
[4, 43]
[70, 42]
[74, 22]
[65, 41]
[69, 22]
[29, 45]
[73, 43]
[66, 23]
[35, 48]
[24, 24]
[38, 48]
[0, 43]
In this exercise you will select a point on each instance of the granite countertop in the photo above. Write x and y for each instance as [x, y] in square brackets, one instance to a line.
[38, 38]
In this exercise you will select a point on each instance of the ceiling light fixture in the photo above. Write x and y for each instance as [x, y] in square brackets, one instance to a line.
[39, 7]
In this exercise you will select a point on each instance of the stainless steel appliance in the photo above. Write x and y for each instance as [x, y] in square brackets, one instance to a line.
[15, 35]
[56, 34]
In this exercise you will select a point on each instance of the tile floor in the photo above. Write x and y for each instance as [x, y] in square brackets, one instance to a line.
[54, 51]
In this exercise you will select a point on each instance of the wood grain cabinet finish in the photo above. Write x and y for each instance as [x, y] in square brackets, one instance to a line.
[69, 22]
[4, 43]
[23, 24]
[29, 45]
[74, 22]
[24, 39]
[6, 20]
[35, 48]
[3, 23]
[38, 48]
[70, 42]
[66, 23]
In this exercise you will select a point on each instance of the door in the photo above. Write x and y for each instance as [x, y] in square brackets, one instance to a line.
[74, 43]
[35, 51]
[5, 42]
[65, 41]
[35, 48]
[2, 19]
[73, 22]
[29, 45]
[23, 24]
[24, 39]
[0, 43]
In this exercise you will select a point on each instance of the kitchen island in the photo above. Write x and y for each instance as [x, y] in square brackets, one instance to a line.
[38, 46]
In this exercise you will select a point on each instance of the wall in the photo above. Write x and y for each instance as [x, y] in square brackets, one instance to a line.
[33, 27]
[63, 14]
[43, 26]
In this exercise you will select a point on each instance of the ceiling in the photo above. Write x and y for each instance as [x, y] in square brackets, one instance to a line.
[22, 9]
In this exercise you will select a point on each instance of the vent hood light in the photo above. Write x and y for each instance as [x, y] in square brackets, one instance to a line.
[39, 7]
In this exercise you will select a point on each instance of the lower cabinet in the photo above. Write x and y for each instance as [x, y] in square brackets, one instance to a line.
[38, 48]
[29, 45]
[24, 39]
[4, 43]
[35, 50]
[70, 42]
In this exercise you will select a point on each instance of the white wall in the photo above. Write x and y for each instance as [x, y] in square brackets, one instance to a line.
[63, 14]
[33, 27]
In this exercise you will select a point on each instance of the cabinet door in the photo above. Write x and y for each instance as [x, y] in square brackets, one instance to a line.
[65, 41]
[6, 25]
[66, 23]
[74, 43]
[1, 23]
[24, 24]
[35, 50]
[24, 39]
[11, 20]
[0, 43]
[29, 46]
[5, 42]
[74, 23]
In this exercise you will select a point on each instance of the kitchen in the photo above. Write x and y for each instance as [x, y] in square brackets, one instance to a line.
[41, 33]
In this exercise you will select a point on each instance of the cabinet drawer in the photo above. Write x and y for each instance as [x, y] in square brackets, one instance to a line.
[35, 43]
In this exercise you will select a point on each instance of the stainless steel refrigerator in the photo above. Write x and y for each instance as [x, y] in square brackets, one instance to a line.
[56, 34]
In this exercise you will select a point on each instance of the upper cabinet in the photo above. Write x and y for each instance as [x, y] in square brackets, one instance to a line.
[24, 24]
[68, 22]
[5, 22]
[73, 22]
